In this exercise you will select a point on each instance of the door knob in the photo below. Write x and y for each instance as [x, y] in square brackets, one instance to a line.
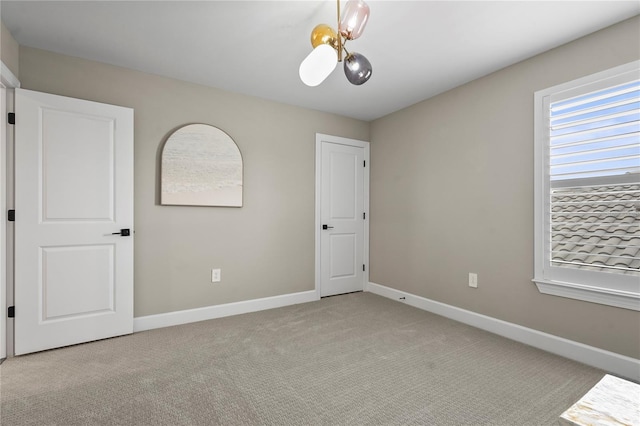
[327, 227]
[122, 233]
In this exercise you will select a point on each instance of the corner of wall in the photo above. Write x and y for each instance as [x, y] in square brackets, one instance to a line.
[9, 50]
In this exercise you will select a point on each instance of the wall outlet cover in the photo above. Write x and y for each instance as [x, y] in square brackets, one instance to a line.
[473, 280]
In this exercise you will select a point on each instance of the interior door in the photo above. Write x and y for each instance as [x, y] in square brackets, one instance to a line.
[73, 221]
[343, 218]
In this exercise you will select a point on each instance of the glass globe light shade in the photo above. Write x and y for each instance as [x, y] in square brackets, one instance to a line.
[317, 66]
[354, 18]
[324, 34]
[357, 68]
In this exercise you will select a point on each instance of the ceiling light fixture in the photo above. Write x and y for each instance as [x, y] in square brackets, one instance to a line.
[328, 47]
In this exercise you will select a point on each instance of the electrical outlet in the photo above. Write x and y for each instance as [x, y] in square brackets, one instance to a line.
[215, 275]
[473, 280]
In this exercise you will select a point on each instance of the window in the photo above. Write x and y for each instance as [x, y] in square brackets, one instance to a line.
[587, 188]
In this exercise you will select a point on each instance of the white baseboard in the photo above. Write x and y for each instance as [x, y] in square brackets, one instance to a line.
[218, 311]
[614, 363]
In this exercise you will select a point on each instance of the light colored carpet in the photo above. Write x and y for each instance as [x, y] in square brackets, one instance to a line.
[347, 360]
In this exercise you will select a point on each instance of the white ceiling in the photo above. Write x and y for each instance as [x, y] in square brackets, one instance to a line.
[417, 48]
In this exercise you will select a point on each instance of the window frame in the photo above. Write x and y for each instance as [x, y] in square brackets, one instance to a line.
[606, 288]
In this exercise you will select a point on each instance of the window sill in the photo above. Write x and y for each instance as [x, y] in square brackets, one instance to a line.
[603, 296]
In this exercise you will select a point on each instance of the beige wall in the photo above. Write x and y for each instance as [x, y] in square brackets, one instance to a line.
[452, 193]
[265, 248]
[9, 50]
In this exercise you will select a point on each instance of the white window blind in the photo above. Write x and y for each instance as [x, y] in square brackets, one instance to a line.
[594, 169]
[587, 188]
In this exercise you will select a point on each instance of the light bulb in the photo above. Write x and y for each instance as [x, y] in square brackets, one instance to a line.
[354, 18]
[357, 68]
[324, 34]
[317, 66]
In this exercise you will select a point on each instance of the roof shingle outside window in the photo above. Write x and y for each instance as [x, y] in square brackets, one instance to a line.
[596, 228]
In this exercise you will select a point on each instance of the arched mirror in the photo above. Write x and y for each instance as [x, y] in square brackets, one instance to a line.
[201, 166]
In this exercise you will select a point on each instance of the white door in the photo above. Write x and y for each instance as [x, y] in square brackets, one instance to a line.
[73, 195]
[342, 215]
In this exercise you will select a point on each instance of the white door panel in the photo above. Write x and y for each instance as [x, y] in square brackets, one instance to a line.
[77, 281]
[74, 193]
[342, 244]
[65, 196]
[343, 176]
[344, 256]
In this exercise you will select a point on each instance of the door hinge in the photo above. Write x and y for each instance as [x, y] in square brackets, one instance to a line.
[11, 215]
[11, 118]
[364, 163]
[364, 215]
[363, 267]
[11, 312]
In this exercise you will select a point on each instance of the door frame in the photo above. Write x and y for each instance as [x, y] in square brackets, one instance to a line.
[320, 139]
[8, 81]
